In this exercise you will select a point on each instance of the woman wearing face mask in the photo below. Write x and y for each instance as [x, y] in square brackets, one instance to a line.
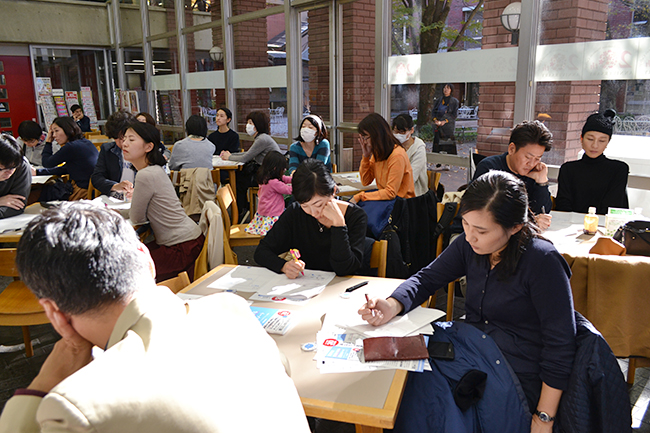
[329, 233]
[384, 160]
[594, 180]
[415, 150]
[257, 126]
[78, 153]
[311, 143]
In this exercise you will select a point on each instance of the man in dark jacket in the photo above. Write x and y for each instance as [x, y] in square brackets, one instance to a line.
[82, 120]
[15, 177]
[113, 175]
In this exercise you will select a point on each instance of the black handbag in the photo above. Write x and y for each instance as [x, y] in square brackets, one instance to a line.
[635, 235]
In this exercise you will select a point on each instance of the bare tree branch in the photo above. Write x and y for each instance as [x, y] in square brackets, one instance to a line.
[462, 30]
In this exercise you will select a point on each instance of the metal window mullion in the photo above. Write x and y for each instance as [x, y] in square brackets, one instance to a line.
[294, 69]
[526, 86]
[119, 51]
[336, 75]
[228, 59]
[186, 108]
[147, 55]
[382, 52]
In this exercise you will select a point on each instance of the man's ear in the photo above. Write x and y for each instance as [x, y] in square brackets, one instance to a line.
[152, 267]
[52, 310]
[512, 148]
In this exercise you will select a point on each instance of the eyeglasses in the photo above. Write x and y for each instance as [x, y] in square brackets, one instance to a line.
[7, 169]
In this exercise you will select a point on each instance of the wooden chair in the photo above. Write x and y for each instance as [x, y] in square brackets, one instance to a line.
[18, 305]
[378, 257]
[451, 286]
[434, 179]
[178, 283]
[235, 233]
[92, 191]
[252, 199]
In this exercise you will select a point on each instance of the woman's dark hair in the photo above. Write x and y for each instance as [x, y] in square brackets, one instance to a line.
[11, 154]
[504, 196]
[227, 112]
[29, 130]
[403, 122]
[70, 128]
[451, 87]
[381, 136]
[196, 125]
[148, 117]
[273, 167]
[260, 120]
[150, 134]
[312, 178]
[117, 123]
[321, 129]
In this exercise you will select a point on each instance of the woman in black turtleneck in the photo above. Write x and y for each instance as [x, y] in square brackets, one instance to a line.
[593, 180]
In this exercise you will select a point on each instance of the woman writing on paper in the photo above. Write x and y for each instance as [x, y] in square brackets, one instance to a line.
[518, 291]
[384, 160]
[328, 233]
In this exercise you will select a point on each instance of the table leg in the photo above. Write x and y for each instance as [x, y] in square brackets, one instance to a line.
[367, 429]
[232, 176]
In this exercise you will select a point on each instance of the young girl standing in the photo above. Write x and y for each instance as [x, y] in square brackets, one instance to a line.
[273, 186]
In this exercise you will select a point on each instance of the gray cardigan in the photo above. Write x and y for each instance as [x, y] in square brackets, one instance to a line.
[262, 145]
[188, 153]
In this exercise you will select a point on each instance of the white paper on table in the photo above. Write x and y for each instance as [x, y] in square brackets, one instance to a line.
[278, 299]
[217, 161]
[188, 296]
[16, 223]
[399, 326]
[346, 188]
[425, 330]
[266, 282]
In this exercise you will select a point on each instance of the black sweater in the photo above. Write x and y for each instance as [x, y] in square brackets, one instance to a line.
[338, 249]
[598, 182]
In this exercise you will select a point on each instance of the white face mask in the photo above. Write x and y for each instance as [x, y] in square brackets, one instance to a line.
[403, 138]
[307, 134]
[250, 129]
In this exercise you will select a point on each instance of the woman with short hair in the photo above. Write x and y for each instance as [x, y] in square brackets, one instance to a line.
[194, 151]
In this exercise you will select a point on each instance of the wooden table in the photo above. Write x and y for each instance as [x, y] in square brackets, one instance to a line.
[231, 167]
[370, 399]
[349, 183]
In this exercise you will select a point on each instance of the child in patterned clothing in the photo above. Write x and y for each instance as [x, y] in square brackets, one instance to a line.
[273, 186]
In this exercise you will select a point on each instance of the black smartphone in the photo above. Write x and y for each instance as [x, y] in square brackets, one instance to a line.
[441, 350]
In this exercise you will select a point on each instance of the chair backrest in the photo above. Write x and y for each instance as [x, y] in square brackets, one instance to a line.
[178, 283]
[434, 179]
[92, 191]
[201, 262]
[226, 200]
[378, 257]
[8, 262]
[252, 199]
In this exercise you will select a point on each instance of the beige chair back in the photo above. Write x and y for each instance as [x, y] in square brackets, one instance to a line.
[379, 256]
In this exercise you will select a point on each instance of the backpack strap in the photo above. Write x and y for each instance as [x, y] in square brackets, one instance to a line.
[445, 219]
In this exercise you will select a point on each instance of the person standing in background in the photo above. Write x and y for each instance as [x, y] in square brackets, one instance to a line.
[445, 112]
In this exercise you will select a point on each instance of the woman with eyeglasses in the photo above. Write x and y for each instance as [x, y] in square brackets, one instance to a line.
[384, 161]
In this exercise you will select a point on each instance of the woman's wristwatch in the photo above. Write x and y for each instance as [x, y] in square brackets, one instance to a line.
[544, 417]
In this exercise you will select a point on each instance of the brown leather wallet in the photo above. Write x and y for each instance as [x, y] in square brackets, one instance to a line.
[395, 348]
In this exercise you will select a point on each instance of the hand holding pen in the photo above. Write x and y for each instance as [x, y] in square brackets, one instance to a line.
[543, 220]
[378, 311]
[294, 268]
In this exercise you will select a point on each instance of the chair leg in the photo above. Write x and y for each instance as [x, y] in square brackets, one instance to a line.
[631, 370]
[450, 300]
[29, 350]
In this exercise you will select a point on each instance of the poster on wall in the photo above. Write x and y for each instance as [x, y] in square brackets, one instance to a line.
[89, 106]
[123, 99]
[59, 103]
[71, 98]
[134, 104]
[44, 91]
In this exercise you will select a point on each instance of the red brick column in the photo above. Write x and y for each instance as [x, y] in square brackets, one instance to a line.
[319, 62]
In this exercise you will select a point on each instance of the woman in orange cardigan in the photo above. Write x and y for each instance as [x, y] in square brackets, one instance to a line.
[384, 160]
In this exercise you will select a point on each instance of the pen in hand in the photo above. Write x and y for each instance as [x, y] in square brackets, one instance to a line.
[296, 255]
[372, 310]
